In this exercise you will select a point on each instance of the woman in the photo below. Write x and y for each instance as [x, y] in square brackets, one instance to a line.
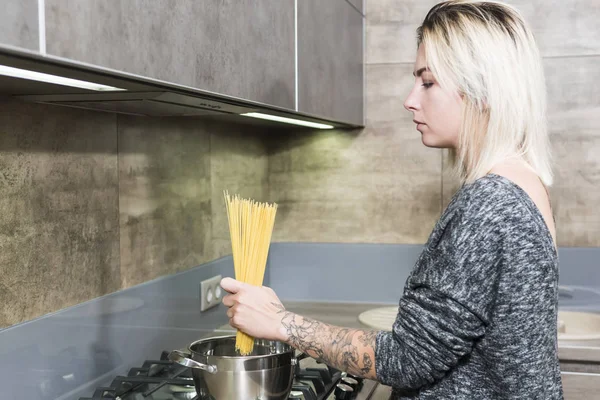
[477, 319]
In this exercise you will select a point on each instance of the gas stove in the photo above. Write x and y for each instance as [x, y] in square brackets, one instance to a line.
[316, 381]
[164, 380]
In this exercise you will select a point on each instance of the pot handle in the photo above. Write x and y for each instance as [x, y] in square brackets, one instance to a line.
[180, 357]
[296, 361]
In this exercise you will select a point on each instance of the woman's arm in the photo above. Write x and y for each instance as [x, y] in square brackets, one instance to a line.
[259, 312]
[433, 333]
[350, 350]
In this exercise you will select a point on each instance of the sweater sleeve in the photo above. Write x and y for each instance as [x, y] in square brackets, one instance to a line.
[449, 297]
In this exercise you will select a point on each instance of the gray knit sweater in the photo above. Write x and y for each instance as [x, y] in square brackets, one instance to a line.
[477, 319]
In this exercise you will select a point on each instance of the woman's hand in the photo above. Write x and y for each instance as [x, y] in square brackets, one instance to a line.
[258, 312]
[254, 310]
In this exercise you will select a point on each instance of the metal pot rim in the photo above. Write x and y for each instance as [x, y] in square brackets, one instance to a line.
[290, 350]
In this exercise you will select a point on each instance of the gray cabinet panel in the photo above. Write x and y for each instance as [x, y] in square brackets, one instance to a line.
[19, 23]
[242, 48]
[330, 60]
[358, 4]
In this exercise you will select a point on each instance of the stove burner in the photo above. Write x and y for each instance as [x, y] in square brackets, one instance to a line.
[155, 380]
[164, 380]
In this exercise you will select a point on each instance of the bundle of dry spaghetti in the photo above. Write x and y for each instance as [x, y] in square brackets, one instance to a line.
[250, 227]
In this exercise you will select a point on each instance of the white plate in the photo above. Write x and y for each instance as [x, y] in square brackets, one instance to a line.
[381, 318]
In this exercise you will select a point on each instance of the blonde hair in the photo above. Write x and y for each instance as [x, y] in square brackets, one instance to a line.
[486, 51]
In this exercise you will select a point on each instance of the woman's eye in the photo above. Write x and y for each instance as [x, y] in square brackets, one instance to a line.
[427, 85]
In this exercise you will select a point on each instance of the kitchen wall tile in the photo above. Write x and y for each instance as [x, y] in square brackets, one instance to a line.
[238, 164]
[377, 185]
[573, 88]
[561, 27]
[239, 48]
[365, 208]
[19, 24]
[392, 29]
[165, 198]
[387, 89]
[59, 232]
[574, 125]
[576, 192]
[330, 60]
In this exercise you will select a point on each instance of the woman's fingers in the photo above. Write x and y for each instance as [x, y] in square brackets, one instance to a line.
[235, 310]
[233, 313]
[229, 300]
[231, 285]
[254, 310]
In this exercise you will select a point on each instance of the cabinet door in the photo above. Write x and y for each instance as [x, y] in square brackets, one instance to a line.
[241, 48]
[358, 4]
[19, 24]
[330, 59]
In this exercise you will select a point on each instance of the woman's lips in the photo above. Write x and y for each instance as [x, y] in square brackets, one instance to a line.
[419, 124]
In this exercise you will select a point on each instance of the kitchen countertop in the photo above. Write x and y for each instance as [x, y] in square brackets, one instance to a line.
[346, 314]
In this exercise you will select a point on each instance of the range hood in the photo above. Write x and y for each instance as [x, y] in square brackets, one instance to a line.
[33, 77]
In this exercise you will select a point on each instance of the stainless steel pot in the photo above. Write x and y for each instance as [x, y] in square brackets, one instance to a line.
[220, 374]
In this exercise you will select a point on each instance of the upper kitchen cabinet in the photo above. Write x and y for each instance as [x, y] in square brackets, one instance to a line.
[19, 24]
[358, 4]
[240, 48]
[330, 59]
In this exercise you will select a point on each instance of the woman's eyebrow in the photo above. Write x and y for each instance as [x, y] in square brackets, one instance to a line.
[420, 71]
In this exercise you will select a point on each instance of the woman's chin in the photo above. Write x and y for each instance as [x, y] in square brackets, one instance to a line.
[433, 141]
[429, 141]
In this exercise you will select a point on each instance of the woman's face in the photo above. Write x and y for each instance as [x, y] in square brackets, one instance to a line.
[436, 112]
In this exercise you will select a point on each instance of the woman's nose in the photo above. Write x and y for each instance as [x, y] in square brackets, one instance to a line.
[411, 103]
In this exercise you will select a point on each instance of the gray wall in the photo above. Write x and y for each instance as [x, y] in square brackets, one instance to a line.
[93, 202]
[381, 185]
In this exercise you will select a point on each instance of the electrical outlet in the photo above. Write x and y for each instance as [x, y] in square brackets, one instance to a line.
[210, 292]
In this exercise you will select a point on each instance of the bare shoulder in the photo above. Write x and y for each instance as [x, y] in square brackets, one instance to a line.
[532, 185]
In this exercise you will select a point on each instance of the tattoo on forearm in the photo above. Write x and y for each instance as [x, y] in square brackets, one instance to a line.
[367, 364]
[350, 350]
[368, 338]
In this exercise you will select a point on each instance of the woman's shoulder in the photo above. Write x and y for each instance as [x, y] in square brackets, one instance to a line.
[489, 196]
[491, 208]
[478, 209]
[492, 203]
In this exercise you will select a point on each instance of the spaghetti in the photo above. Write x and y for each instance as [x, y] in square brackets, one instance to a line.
[250, 227]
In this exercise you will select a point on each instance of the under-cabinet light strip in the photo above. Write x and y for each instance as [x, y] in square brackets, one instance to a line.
[48, 78]
[288, 120]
